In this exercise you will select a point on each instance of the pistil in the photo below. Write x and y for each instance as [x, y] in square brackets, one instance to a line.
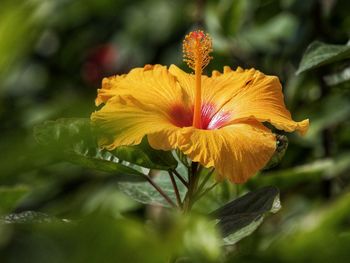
[197, 120]
[196, 49]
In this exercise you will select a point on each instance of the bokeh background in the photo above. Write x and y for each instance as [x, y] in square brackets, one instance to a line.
[53, 56]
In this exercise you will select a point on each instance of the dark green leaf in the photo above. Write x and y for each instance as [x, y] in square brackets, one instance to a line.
[144, 155]
[318, 54]
[73, 141]
[243, 215]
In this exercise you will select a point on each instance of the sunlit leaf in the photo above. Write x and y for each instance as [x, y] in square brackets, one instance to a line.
[243, 215]
[318, 54]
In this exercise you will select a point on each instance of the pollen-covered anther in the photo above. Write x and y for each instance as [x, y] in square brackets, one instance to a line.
[196, 49]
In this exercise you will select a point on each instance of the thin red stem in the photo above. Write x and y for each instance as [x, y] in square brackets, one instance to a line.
[160, 191]
[192, 185]
[180, 177]
[176, 189]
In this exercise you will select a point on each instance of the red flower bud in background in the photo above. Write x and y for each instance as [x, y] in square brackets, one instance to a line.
[100, 62]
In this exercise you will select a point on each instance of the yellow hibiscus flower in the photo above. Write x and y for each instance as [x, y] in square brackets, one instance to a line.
[216, 121]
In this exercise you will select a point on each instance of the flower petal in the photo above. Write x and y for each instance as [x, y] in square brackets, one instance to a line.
[139, 103]
[186, 81]
[236, 151]
[216, 90]
[167, 139]
[243, 94]
[152, 84]
[108, 90]
[125, 121]
[252, 94]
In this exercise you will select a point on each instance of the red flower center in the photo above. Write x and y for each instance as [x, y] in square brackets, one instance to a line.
[210, 118]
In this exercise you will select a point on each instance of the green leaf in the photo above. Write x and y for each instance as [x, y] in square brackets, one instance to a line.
[10, 196]
[144, 192]
[62, 132]
[243, 215]
[74, 137]
[144, 155]
[72, 140]
[318, 54]
[307, 173]
[123, 172]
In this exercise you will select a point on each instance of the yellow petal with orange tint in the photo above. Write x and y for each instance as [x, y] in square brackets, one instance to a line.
[125, 121]
[259, 96]
[252, 94]
[237, 151]
[109, 89]
[187, 81]
[244, 94]
[152, 84]
[217, 89]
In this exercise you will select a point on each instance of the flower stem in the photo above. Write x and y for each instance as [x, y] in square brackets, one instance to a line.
[193, 177]
[176, 189]
[160, 191]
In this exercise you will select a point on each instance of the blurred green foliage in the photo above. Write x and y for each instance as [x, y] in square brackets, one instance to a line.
[53, 55]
